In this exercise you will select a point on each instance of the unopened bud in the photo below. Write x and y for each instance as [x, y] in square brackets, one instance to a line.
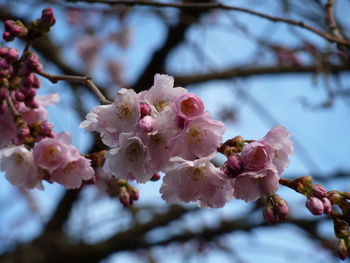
[48, 17]
[19, 96]
[155, 177]
[124, 196]
[234, 163]
[145, 109]
[315, 205]
[146, 124]
[281, 208]
[270, 216]
[134, 194]
[327, 206]
[46, 128]
[319, 191]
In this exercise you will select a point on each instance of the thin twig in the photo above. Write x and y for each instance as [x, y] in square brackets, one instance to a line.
[77, 79]
[205, 5]
[12, 107]
[330, 18]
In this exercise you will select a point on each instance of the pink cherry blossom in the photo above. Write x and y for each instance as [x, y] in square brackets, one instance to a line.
[251, 185]
[158, 141]
[161, 94]
[256, 155]
[73, 174]
[196, 181]
[279, 139]
[188, 106]
[55, 153]
[111, 120]
[19, 167]
[129, 160]
[199, 138]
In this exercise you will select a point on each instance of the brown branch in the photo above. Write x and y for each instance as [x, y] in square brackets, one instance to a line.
[248, 71]
[80, 80]
[214, 5]
[330, 18]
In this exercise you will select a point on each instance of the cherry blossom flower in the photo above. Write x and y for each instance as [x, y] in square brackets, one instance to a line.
[251, 185]
[199, 138]
[73, 174]
[161, 94]
[111, 120]
[279, 139]
[129, 160]
[19, 167]
[196, 181]
[188, 106]
[54, 153]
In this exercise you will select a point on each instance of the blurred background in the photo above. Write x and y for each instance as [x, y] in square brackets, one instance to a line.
[252, 74]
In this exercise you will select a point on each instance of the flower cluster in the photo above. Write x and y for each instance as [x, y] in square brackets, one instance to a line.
[30, 150]
[167, 129]
[255, 168]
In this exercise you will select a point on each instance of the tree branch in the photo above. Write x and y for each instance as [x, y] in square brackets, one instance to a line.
[211, 5]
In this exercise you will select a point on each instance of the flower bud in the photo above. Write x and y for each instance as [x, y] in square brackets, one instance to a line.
[134, 194]
[146, 124]
[155, 177]
[314, 205]
[124, 196]
[327, 206]
[145, 109]
[7, 36]
[281, 208]
[270, 216]
[319, 191]
[19, 96]
[48, 17]
[46, 128]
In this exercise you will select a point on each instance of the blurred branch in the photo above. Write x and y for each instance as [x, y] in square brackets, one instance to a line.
[214, 5]
[77, 79]
[248, 71]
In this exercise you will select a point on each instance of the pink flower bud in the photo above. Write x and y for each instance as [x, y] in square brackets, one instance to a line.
[124, 196]
[134, 194]
[234, 163]
[7, 36]
[46, 128]
[23, 131]
[31, 93]
[256, 156]
[12, 54]
[19, 96]
[270, 216]
[281, 208]
[327, 206]
[188, 106]
[145, 109]
[48, 17]
[315, 205]
[31, 104]
[33, 62]
[155, 177]
[146, 124]
[319, 191]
